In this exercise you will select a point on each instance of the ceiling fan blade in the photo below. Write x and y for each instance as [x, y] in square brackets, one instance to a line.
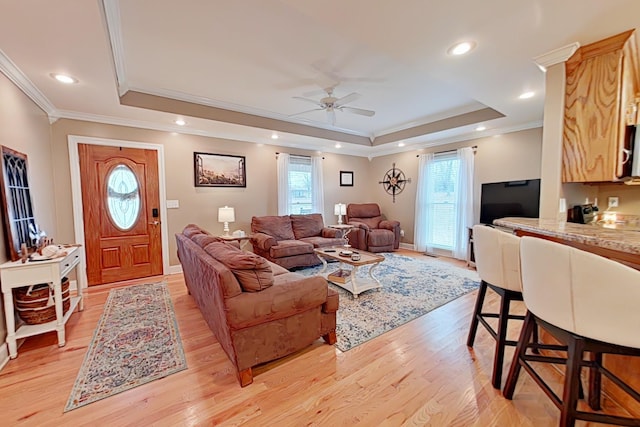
[305, 112]
[308, 100]
[360, 111]
[347, 99]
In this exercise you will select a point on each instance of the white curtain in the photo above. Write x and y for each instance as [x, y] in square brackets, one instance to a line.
[465, 202]
[423, 227]
[317, 190]
[283, 184]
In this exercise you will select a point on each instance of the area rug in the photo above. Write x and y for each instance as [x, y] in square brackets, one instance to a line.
[136, 341]
[411, 287]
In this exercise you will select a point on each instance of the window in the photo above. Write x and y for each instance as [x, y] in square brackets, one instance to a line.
[123, 197]
[300, 185]
[444, 202]
[443, 209]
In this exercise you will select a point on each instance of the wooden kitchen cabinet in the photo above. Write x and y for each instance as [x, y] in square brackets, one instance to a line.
[600, 105]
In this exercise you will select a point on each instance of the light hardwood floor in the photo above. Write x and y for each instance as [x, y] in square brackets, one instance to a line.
[419, 374]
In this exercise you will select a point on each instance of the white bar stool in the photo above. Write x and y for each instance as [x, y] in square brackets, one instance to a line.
[589, 304]
[497, 256]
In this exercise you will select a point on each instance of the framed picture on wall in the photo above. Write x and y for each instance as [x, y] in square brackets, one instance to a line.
[219, 170]
[346, 179]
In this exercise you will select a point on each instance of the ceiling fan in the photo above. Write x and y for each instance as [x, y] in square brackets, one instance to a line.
[330, 104]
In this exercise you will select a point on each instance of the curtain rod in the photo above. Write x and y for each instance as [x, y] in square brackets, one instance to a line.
[299, 155]
[473, 147]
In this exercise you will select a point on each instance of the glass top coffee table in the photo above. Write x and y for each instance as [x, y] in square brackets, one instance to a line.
[347, 278]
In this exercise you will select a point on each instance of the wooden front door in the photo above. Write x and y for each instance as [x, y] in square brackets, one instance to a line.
[120, 200]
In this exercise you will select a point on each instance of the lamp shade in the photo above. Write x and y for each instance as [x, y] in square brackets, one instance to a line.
[340, 209]
[226, 214]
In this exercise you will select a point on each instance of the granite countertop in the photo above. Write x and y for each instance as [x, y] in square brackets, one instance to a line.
[623, 240]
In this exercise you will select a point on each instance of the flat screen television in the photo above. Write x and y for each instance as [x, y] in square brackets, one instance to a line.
[509, 198]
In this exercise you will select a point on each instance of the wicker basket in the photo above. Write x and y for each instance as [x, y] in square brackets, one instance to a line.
[35, 304]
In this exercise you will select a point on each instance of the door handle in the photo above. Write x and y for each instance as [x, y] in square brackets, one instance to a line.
[154, 223]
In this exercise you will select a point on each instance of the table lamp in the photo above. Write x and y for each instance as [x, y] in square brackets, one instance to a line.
[226, 215]
[340, 209]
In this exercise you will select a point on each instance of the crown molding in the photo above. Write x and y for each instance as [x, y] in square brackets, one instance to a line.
[208, 102]
[111, 13]
[556, 56]
[346, 149]
[13, 73]
[469, 136]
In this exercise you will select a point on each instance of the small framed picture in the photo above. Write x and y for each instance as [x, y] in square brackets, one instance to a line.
[219, 170]
[346, 179]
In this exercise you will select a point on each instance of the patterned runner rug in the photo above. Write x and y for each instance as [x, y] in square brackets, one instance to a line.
[136, 341]
[411, 287]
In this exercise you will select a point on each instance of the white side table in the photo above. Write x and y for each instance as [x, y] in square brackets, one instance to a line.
[346, 229]
[241, 240]
[15, 274]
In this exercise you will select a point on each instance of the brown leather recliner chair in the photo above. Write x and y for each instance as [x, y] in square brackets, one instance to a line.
[374, 233]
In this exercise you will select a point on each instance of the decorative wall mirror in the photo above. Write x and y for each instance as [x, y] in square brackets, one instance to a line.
[19, 221]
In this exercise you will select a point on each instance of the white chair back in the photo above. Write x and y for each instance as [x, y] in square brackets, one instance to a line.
[497, 257]
[581, 292]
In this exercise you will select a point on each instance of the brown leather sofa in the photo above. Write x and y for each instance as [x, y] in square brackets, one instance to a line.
[257, 310]
[289, 240]
[374, 233]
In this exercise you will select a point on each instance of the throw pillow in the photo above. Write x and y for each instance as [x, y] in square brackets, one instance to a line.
[192, 229]
[276, 226]
[203, 240]
[309, 225]
[252, 271]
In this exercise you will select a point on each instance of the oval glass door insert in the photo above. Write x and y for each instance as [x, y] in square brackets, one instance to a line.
[123, 197]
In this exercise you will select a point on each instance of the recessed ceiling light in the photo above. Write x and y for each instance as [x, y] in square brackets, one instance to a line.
[63, 78]
[180, 122]
[461, 48]
[481, 128]
[338, 146]
[527, 95]
[400, 144]
[274, 136]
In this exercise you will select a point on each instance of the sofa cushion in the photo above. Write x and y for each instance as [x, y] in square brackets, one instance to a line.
[381, 237]
[252, 271]
[322, 242]
[276, 226]
[307, 225]
[277, 269]
[370, 222]
[286, 248]
[362, 210]
[291, 294]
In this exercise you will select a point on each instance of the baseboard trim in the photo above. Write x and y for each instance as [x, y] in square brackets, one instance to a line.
[408, 246]
[4, 355]
[175, 269]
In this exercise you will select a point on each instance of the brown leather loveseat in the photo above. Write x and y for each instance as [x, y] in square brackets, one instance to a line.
[257, 310]
[289, 240]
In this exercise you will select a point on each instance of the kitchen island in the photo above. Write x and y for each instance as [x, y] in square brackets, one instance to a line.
[620, 244]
